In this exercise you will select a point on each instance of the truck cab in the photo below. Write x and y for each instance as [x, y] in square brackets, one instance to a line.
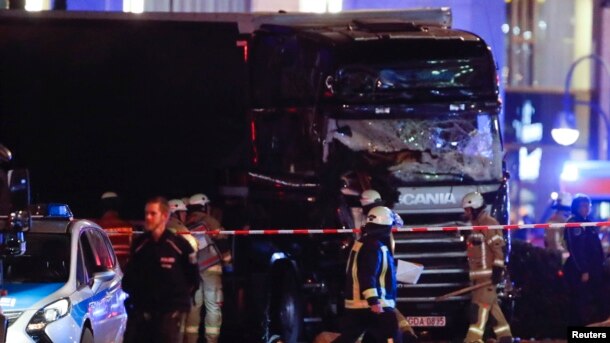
[407, 107]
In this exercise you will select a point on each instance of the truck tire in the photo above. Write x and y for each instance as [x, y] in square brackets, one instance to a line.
[285, 312]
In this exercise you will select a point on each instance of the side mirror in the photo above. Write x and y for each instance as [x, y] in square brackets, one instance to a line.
[101, 277]
[5, 154]
[105, 275]
[19, 186]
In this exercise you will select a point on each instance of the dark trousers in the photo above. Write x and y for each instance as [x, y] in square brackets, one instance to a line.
[586, 300]
[154, 327]
[381, 327]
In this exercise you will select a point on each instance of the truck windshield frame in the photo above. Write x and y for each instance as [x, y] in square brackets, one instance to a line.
[416, 71]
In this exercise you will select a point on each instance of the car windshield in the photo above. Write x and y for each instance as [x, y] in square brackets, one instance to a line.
[46, 260]
[451, 148]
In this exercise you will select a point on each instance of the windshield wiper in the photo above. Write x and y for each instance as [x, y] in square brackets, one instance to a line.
[456, 176]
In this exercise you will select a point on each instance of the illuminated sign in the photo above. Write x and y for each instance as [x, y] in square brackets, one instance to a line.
[529, 164]
[525, 130]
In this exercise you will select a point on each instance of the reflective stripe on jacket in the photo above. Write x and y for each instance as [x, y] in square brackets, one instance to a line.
[371, 275]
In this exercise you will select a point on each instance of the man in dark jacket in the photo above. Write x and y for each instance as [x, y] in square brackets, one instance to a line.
[371, 283]
[584, 267]
[160, 277]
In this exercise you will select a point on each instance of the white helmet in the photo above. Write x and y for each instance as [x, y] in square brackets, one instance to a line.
[176, 205]
[380, 215]
[199, 199]
[473, 200]
[107, 195]
[369, 196]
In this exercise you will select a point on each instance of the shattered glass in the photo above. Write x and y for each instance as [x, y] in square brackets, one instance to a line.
[449, 148]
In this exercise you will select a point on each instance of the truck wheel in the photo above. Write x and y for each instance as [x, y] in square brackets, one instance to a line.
[87, 336]
[285, 311]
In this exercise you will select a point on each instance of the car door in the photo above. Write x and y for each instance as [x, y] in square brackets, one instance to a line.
[115, 297]
[103, 283]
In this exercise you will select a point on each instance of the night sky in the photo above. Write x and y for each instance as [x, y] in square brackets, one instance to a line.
[138, 107]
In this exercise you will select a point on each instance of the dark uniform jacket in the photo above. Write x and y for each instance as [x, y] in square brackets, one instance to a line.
[161, 276]
[585, 247]
[371, 275]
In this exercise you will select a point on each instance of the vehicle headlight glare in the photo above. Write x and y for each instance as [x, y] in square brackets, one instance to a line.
[48, 314]
[51, 315]
[60, 308]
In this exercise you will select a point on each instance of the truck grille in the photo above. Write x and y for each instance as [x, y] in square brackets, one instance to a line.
[445, 262]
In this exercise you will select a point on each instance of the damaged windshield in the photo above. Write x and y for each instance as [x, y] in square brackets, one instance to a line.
[423, 149]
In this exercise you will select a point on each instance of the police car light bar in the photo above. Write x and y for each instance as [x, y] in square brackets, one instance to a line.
[51, 210]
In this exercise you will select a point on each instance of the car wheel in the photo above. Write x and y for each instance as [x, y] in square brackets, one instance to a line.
[87, 336]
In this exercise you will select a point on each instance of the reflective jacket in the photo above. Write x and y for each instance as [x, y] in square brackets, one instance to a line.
[371, 275]
[485, 248]
[208, 253]
[176, 226]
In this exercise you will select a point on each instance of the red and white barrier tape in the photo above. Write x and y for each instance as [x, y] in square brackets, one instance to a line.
[409, 229]
[401, 229]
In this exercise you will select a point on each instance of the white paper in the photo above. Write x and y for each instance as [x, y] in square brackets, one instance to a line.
[408, 272]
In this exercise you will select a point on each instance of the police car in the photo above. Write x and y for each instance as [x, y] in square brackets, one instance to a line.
[66, 286]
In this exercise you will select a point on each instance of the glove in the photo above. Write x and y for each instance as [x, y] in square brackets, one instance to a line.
[496, 275]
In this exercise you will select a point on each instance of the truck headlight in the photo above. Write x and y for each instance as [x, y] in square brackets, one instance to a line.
[48, 314]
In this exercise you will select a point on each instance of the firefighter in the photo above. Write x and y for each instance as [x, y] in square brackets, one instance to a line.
[159, 278]
[119, 230]
[109, 204]
[176, 225]
[486, 262]
[584, 267]
[178, 211]
[369, 199]
[371, 283]
[210, 259]
[553, 237]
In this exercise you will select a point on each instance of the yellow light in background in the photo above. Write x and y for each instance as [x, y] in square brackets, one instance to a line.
[36, 5]
[133, 6]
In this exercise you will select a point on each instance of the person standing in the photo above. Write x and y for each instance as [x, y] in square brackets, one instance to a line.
[553, 237]
[110, 202]
[486, 262]
[178, 210]
[584, 268]
[159, 278]
[371, 283]
[209, 258]
[369, 199]
[119, 230]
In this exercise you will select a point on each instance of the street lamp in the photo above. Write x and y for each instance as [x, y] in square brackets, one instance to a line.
[564, 131]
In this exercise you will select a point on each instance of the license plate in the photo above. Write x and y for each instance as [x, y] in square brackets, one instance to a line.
[426, 321]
